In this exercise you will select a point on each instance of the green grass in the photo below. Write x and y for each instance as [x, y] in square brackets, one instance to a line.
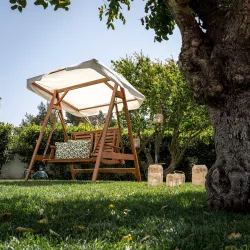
[87, 216]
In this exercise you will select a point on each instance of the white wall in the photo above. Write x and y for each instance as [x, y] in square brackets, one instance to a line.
[13, 169]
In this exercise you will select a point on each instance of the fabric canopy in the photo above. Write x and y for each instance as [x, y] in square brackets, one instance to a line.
[90, 85]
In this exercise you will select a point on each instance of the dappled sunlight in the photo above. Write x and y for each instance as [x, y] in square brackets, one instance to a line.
[109, 212]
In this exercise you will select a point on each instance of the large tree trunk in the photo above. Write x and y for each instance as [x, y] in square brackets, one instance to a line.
[228, 181]
[215, 56]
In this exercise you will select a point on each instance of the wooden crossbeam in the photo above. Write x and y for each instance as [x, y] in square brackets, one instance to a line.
[61, 98]
[107, 170]
[80, 160]
[81, 85]
[109, 85]
[105, 105]
[50, 93]
[118, 156]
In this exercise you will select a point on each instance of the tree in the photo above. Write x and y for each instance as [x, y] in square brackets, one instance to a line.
[215, 58]
[165, 89]
[74, 120]
[96, 120]
[39, 118]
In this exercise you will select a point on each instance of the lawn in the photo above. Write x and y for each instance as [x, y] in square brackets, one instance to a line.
[114, 215]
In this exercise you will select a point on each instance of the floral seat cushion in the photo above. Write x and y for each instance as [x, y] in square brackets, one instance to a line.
[72, 149]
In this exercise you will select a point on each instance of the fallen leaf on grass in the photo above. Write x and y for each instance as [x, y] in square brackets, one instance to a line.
[126, 211]
[79, 228]
[111, 206]
[54, 233]
[25, 229]
[190, 236]
[234, 236]
[41, 211]
[146, 238]
[127, 237]
[164, 207]
[44, 221]
[4, 215]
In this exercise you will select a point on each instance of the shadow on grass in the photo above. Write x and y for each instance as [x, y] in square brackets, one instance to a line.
[163, 220]
[33, 183]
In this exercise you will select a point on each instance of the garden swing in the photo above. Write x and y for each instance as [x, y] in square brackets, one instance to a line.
[84, 90]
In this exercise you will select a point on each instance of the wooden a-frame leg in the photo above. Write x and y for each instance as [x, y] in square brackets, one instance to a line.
[72, 170]
[104, 133]
[119, 132]
[130, 134]
[50, 135]
[40, 136]
[119, 128]
[62, 120]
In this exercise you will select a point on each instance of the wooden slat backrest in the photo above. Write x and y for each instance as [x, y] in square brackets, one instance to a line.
[86, 135]
[111, 139]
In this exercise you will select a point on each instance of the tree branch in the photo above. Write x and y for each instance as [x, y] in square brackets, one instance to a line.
[142, 148]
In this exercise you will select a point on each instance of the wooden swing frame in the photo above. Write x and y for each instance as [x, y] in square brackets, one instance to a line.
[55, 103]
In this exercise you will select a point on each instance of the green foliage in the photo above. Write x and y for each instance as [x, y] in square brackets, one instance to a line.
[5, 142]
[158, 16]
[74, 120]
[151, 80]
[57, 4]
[166, 92]
[81, 215]
[96, 121]
[39, 118]
[183, 114]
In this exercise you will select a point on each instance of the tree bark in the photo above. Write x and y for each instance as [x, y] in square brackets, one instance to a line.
[215, 56]
[228, 181]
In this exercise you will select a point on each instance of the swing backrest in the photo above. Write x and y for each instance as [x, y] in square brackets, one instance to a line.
[111, 140]
[84, 136]
[111, 143]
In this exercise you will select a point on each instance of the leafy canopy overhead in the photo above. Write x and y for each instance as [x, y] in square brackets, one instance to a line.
[157, 15]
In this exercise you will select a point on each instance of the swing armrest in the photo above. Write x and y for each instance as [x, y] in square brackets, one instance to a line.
[52, 152]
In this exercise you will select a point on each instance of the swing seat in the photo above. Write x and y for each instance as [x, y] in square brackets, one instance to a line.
[111, 154]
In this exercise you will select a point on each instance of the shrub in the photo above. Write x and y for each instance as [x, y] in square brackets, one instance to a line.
[5, 142]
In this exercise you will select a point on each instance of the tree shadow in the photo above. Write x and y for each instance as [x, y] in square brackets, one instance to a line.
[172, 218]
[33, 183]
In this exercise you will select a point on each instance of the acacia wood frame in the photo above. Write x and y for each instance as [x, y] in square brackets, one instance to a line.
[55, 103]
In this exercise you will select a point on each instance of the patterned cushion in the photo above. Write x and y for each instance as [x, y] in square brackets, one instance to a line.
[72, 149]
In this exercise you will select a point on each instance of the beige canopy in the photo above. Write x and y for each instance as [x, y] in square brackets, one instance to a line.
[86, 88]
